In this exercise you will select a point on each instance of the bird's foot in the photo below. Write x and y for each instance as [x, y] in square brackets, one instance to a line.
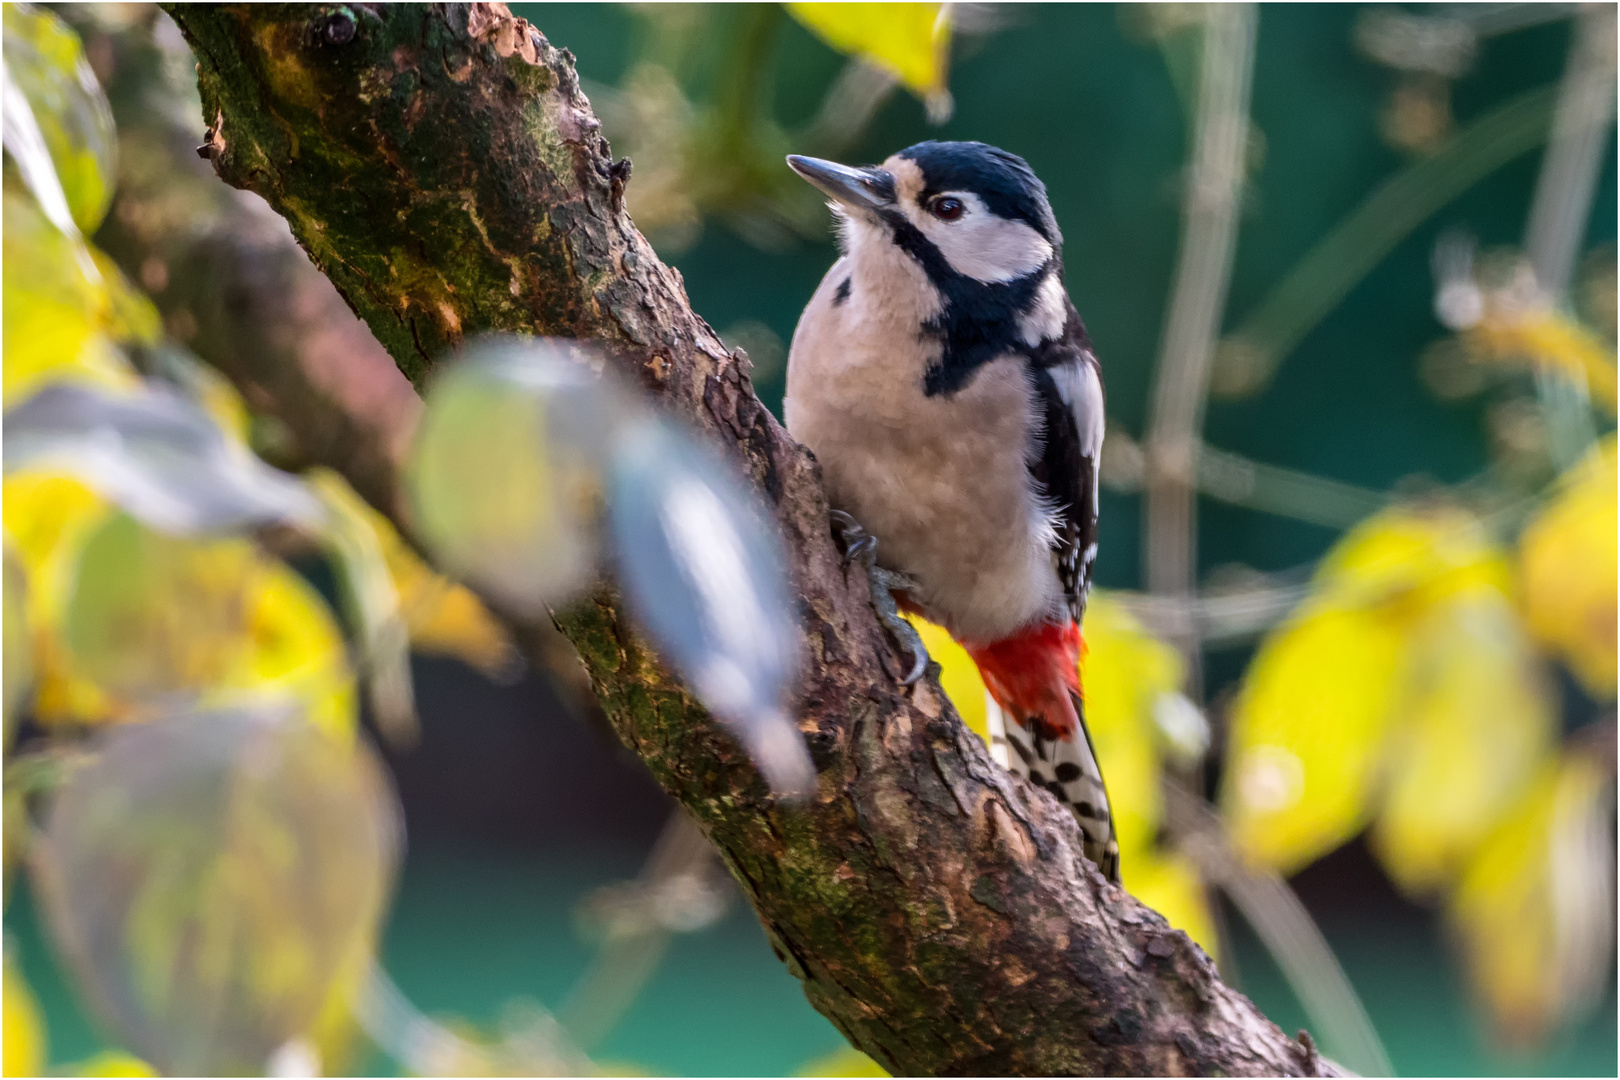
[861, 546]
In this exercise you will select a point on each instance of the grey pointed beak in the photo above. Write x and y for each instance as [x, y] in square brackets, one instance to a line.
[861, 189]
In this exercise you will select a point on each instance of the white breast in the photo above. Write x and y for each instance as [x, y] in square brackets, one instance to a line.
[942, 482]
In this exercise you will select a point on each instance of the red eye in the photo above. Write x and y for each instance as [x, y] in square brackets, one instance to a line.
[947, 208]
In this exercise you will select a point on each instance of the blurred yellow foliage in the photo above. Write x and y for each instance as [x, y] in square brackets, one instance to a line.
[1408, 621]
[123, 616]
[1475, 721]
[1550, 339]
[24, 1035]
[958, 675]
[1533, 910]
[46, 61]
[847, 1061]
[1303, 747]
[910, 41]
[47, 518]
[1125, 673]
[113, 1063]
[1169, 883]
[1568, 556]
[59, 322]
[442, 616]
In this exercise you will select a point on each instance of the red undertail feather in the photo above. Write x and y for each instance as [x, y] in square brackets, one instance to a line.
[1035, 678]
[1035, 675]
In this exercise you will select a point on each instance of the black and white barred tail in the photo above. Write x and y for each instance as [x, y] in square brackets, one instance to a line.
[1068, 769]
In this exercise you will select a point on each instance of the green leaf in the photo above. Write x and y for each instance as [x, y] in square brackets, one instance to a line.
[210, 877]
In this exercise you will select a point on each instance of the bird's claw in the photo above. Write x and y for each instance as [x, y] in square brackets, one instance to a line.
[856, 541]
[861, 546]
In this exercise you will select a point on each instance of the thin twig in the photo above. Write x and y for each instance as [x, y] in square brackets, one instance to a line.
[1209, 237]
[682, 874]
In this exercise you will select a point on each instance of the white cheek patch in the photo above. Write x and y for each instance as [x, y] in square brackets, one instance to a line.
[981, 245]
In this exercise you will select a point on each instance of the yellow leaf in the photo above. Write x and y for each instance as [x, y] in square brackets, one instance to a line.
[1169, 884]
[151, 615]
[1475, 726]
[1306, 735]
[1404, 560]
[910, 41]
[1124, 671]
[1568, 556]
[59, 323]
[1533, 912]
[846, 1061]
[113, 1063]
[47, 518]
[1308, 730]
[24, 1035]
[292, 645]
[1476, 723]
[121, 616]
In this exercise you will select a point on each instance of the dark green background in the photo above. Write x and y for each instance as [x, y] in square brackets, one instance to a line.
[515, 808]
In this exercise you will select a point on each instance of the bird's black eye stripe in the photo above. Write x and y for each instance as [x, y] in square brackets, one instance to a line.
[947, 208]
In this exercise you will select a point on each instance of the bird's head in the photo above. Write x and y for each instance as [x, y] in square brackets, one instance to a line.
[964, 210]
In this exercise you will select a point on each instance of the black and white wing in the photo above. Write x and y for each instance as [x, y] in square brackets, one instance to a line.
[1068, 381]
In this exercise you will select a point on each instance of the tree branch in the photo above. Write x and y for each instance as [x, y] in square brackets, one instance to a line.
[441, 166]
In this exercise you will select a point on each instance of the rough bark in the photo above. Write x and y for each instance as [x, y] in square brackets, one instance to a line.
[441, 166]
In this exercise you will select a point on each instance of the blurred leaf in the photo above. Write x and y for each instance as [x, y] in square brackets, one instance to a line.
[1169, 884]
[152, 615]
[46, 519]
[705, 578]
[46, 63]
[1550, 339]
[113, 1063]
[204, 385]
[846, 1061]
[1476, 723]
[335, 1036]
[24, 1036]
[1124, 672]
[372, 602]
[209, 877]
[1307, 735]
[912, 41]
[1567, 560]
[1535, 910]
[17, 657]
[159, 456]
[505, 474]
[59, 322]
[152, 620]
[1309, 726]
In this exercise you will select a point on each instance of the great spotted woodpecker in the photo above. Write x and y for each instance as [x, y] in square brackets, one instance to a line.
[945, 382]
